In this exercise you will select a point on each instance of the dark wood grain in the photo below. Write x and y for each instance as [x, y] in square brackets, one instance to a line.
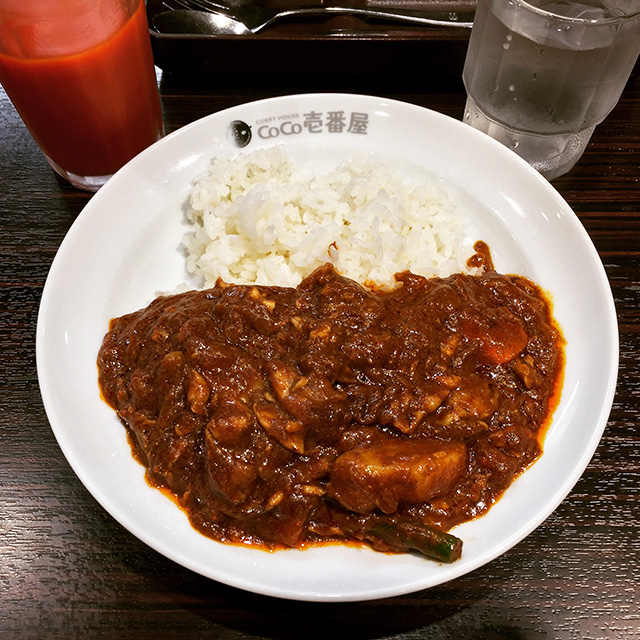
[68, 570]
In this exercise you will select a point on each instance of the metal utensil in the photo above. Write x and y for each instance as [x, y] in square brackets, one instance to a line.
[250, 19]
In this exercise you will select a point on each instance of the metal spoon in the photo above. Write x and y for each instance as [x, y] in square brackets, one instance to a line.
[182, 21]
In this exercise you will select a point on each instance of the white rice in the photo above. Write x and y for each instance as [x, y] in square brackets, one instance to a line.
[259, 218]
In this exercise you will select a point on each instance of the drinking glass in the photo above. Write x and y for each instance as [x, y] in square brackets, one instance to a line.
[80, 73]
[541, 74]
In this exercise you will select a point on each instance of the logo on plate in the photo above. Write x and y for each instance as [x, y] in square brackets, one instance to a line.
[240, 133]
[292, 124]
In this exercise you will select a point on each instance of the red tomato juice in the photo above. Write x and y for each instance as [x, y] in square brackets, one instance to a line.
[90, 111]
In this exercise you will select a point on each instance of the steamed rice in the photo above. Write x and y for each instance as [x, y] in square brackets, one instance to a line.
[259, 218]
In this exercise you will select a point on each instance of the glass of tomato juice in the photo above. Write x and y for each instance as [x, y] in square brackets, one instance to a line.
[80, 73]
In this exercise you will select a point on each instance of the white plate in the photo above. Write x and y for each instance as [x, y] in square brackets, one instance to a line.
[126, 246]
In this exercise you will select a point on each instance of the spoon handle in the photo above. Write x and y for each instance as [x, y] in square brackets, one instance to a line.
[435, 18]
[195, 22]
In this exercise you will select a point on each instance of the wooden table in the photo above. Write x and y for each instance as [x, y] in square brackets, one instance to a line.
[68, 570]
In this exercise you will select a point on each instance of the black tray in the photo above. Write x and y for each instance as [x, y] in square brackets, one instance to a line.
[343, 49]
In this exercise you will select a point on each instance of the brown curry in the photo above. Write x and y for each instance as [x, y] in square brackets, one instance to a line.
[280, 417]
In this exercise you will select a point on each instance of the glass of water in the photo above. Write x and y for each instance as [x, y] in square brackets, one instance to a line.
[541, 74]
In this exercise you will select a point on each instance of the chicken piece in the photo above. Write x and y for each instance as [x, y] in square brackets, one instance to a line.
[280, 425]
[198, 393]
[304, 397]
[466, 410]
[229, 422]
[400, 471]
[285, 522]
[228, 475]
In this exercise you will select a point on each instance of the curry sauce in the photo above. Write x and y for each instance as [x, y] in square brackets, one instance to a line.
[282, 417]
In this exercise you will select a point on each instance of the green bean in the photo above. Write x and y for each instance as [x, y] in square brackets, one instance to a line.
[404, 536]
